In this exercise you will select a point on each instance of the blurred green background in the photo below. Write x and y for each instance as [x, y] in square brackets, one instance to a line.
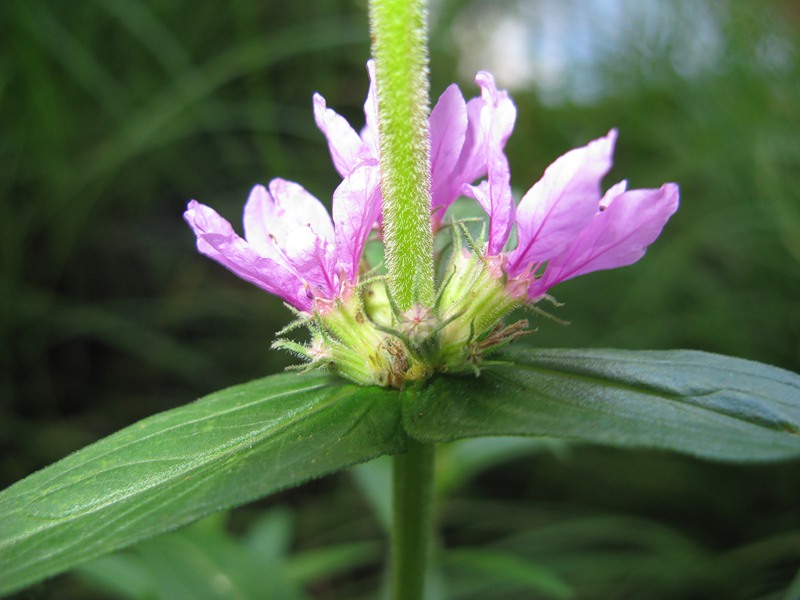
[114, 113]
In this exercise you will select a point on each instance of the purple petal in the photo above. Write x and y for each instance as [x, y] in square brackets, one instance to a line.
[494, 196]
[292, 227]
[490, 122]
[497, 122]
[448, 127]
[356, 206]
[259, 212]
[617, 236]
[480, 193]
[560, 204]
[217, 240]
[472, 162]
[345, 145]
[294, 207]
[314, 259]
[303, 232]
[498, 113]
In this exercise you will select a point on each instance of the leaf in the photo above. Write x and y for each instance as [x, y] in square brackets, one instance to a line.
[224, 450]
[693, 402]
[374, 479]
[458, 462]
[500, 569]
[118, 575]
[305, 567]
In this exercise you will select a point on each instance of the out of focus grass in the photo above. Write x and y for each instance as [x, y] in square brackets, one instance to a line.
[113, 113]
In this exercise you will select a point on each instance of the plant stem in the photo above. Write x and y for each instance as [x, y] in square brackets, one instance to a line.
[411, 524]
[399, 47]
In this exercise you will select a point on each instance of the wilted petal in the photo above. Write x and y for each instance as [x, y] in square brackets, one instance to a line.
[217, 240]
[356, 206]
[561, 203]
[617, 236]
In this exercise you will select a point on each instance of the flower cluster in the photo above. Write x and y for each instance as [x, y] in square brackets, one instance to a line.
[565, 226]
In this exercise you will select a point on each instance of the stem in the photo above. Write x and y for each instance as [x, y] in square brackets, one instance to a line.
[411, 523]
[399, 47]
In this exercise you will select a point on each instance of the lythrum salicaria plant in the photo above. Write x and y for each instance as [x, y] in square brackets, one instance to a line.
[412, 350]
[566, 226]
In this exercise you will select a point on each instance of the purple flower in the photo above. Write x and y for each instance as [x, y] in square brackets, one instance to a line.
[290, 246]
[460, 134]
[566, 226]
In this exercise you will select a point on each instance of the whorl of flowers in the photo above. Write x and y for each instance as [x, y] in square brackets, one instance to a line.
[565, 226]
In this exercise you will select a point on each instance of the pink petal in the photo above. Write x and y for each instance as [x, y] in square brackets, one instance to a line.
[472, 162]
[314, 259]
[612, 192]
[448, 127]
[345, 145]
[217, 240]
[498, 114]
[560, 204]
[497, 122]
[294, 207]
[303, 233]
[494, 196]
[490, 123]
[356, 206]
[480, 193]
[617, 236]
[259, 212]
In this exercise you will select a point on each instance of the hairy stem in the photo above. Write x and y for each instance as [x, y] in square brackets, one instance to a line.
[399, 47]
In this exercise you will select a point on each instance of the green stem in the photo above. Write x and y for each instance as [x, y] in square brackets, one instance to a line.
[399, 47]
[412, 515]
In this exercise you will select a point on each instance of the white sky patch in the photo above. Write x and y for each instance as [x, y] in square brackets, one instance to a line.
[558, 46]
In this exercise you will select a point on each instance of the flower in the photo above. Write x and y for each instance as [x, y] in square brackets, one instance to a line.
[460, 132]
[291, 247]
[565, 225]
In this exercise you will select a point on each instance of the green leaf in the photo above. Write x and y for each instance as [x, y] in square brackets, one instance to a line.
[502, 569]
[458, 462]
[374, 479]
[224, 450]
[701, 404]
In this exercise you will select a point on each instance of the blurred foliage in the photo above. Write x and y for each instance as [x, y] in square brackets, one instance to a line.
[113, 113]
